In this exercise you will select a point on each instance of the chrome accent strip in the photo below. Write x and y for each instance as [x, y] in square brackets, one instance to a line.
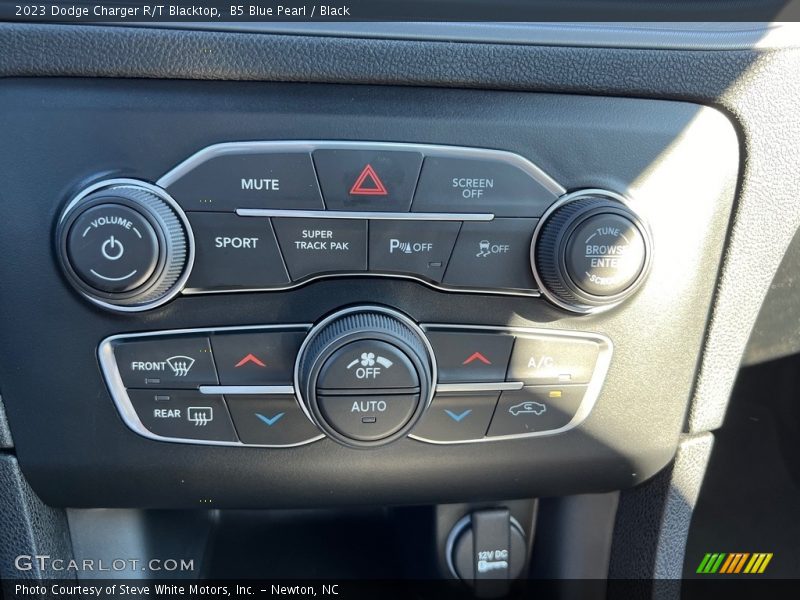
[239, 390]
[111, 374]
[120, 397]
[309, 146]
[372, 216]
[366, 274]
[592, 391]
[177, 287]
[492, 386]
[639, 35]
[252, 147]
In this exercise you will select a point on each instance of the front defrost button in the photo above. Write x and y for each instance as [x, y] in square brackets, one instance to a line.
[183, 362]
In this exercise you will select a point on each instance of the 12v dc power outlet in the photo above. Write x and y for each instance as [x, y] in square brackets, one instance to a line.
[488, 551]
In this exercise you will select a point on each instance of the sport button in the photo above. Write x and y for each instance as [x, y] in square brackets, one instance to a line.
[253, 180]
[235, 252]
[474, 185]
[368, 180]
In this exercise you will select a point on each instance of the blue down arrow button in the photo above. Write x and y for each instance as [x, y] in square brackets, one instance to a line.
[270, 421]
[458, 417]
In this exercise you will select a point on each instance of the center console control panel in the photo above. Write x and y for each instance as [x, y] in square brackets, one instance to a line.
[268, 216]
[363, 376]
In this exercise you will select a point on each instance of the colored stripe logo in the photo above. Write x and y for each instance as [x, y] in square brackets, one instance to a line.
[734, 563]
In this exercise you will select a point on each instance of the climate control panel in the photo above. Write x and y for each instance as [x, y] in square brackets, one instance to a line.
[363, 376]
[269, 216]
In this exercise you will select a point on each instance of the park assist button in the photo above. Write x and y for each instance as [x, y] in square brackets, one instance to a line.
[471, 357]
[459, 417]
[479, 186]
[235, 253]
[412, 247]
[495, 254]
[313, 246]
[273, 421]
[367, 364]
[368, 418]
[263, 358]
[368, 180]
[182, 362]
[251, 180]
[536, 409]
[550, 359]
[113, 248]
[183, 414]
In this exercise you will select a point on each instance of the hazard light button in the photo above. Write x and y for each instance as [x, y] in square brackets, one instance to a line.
[368, 180]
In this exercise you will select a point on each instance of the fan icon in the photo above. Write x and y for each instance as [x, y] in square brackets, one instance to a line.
[367, 359]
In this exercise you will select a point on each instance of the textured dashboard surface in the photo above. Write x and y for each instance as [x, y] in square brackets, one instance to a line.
[758, 88]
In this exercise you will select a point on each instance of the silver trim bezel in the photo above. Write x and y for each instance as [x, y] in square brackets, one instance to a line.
[364, 215]
[648, 241]
[120, 397]
[441, 150]
[593, 388]
[179, 284]
[433, 150]
[119, 394]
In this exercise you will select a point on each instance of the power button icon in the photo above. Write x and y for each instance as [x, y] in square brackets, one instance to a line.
[112, 249]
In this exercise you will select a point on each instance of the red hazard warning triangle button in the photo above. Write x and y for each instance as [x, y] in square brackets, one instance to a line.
[367, 180]
[368, 184]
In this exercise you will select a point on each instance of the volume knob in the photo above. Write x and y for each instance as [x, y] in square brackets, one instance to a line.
[125, 245]
[590, 251]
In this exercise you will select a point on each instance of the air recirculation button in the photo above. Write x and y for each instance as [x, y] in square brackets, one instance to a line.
[366, 376]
